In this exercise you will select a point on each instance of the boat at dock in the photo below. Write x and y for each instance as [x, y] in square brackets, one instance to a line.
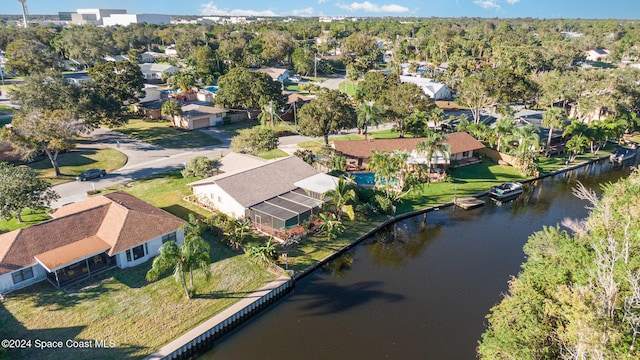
[506, 191]
[622, 153]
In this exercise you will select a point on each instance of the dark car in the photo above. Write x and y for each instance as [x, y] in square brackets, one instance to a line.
[91, 174]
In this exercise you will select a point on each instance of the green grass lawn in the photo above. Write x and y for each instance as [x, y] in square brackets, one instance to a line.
[75, 162]
[556, 162]
[161, 133]
[6, 110]
[349, 87]
[272, 154]
[29, 217]
[121, 305]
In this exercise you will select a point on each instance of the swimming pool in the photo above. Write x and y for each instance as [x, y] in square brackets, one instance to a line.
[211, 88]
[364, 178]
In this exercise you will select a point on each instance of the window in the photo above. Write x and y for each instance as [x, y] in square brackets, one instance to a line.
[465, 154]
[136, 252]
[169, 237]
[22, 275]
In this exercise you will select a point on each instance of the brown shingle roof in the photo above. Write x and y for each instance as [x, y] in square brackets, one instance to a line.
[459, 142]
[258, 184]
[119, 219]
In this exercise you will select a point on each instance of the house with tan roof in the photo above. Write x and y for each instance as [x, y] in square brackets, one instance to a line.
[277, 74]
[276, 194]
[358, 152]
[85, 238]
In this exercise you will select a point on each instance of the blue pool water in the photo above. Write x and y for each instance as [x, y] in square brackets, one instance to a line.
[364, 178]
[211, 88]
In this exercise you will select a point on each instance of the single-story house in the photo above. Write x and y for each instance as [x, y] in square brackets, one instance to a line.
[198, 116]
[358, 152]
[435, 90]
[116, 58]
[171, 50]
[294, 103]
[277, 194]
[151, 109]
[276, 74]
[85, 238]
[597, 54]
[153, 72]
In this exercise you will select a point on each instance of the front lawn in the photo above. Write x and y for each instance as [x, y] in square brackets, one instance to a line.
[273, 154]
[161, 133]
[120, 305]
[29, 217]
[77, 161]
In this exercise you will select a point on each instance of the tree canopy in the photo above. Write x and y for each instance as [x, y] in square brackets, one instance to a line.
[328, 113]
[20, 189]
[250, 90]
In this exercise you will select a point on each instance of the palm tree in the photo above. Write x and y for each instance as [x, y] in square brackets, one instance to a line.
[342, 195]
[503, 128]
[527, 144]
[191, 255]
[368, 114]
[236, 232]
[171, 108]
[332, 225]
[435, 115]
[435, 143]
[554, 118]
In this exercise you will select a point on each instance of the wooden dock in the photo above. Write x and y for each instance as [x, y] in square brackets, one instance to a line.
[468, 203]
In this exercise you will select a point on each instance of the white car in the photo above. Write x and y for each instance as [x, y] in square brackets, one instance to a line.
[295, 78]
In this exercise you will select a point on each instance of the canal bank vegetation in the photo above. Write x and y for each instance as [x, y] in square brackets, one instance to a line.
[578, 294]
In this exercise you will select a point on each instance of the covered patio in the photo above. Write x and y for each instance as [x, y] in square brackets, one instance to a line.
[76, 261]
[284, 211]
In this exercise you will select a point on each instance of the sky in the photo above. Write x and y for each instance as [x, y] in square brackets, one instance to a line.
[585, 9]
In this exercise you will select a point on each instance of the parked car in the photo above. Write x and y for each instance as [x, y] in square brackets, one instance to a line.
[91, 174]
[295, 78]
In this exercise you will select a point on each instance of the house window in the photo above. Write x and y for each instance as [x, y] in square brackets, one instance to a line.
[22, 275]
[136, 252]
[169, 237]
[219, 199]
[465, 154]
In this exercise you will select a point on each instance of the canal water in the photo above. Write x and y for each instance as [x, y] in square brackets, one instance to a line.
[419, 290]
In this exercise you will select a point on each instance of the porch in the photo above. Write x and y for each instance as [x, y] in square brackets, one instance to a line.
[81, 270]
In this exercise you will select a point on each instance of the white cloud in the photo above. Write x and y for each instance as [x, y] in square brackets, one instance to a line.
[211, 9]
[513, 1]
[369, 7]
[322, 1]
[487, 4]
[302, 12]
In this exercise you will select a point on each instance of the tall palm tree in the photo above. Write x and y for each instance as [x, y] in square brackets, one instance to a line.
[503, 128]
[527, 145]
[553, 118]
[342, 196]
[171, 108]
[191, 255]
[433, 144]
[435, 115]
[368, 113]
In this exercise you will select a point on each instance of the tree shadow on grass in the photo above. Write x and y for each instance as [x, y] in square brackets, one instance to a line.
[135, 277]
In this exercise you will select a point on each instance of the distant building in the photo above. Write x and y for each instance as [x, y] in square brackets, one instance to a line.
[128, 19]
[597, 54]
[64, 15]
[93, 16]
[435, 90]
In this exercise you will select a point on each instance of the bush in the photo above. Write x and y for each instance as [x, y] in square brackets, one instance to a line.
[200, 166]
[254, 140]
[306, 155]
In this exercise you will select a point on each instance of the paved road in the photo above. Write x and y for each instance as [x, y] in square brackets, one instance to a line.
[143, 160]
[334, 82]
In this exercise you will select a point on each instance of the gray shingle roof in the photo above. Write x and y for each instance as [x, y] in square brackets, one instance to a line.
[258, 184]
